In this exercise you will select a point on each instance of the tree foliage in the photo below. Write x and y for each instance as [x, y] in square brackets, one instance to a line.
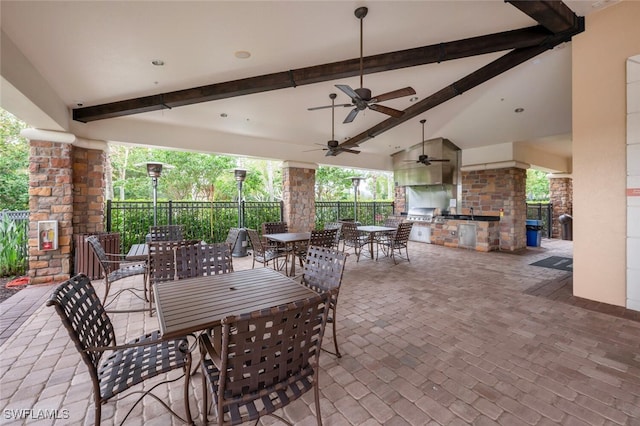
[537, 185]
[14, 164]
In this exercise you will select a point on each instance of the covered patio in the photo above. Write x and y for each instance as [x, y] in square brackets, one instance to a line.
[456, 339]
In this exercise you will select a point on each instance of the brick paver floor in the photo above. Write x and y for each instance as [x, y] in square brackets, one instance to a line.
[451, 338]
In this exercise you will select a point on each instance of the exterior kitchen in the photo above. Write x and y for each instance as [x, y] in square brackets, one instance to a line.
[447, 206]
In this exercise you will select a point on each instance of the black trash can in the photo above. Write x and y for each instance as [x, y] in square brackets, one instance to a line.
[566, 222]
[240, 249]
[534, 232]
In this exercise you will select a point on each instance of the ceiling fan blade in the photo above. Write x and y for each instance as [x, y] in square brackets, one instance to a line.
[348, 90]
[394, 94]
[386, 110]
[351, 116]
[350, 151]
[439, 160]
[329, 106]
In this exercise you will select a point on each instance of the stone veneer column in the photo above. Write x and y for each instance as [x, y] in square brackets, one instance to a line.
[399, 200]
[561, 197]
[298, 195]
[66, 184]
[488, 191]
[50, 198]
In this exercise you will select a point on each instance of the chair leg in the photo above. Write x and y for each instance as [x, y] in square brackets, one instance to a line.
[316, 393]
[335, 337]
[97, 410]
[187, 380]
[205, 397]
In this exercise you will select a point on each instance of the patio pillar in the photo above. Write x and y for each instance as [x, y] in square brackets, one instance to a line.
[298, 195]
[561, 197]
[399, 200]
[65, 195]
[499, 192]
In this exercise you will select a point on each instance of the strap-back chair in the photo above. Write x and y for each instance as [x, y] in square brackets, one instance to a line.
[323, 272]
[166, 233]
[274, 228]
[116, 268]
[114, 368]
[353, 238]
[338, 226]
[393, 244]
[263, 360]
[318, 238]
[261, 252]
[232, 238]
[197, 260]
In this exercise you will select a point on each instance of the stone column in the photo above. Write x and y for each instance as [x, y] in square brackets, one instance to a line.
[497, 192]
[561, 196]
[50, 198]
[66, 185]
[298, 195]
[399, 200]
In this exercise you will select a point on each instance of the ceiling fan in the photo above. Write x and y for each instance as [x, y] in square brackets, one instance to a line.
[333, 147]
[361, 98]
[425, 159]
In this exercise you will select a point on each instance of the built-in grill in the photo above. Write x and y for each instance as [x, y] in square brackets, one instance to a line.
[421, 214]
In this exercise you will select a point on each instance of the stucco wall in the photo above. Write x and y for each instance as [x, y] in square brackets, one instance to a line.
[599, 145]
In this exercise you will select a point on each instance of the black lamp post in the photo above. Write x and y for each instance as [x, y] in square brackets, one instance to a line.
[355, 181]
[154, 170]
[240, 249]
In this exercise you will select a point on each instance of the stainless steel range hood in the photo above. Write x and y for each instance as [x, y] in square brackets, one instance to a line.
[408, 172]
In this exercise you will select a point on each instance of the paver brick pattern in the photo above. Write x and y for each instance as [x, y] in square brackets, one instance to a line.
[450, 338]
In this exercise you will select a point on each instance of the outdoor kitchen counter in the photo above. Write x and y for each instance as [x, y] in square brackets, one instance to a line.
[481, 234]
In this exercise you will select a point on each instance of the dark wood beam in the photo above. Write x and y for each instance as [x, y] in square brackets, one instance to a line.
[515, 39]
[554, 15]
[486, 73]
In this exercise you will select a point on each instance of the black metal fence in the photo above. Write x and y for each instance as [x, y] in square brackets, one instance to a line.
[543, 212]
[210, 221]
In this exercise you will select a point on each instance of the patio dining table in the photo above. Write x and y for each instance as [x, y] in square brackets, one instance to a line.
[196, 304]
[138, 252]
[372, 230]
[289, 239]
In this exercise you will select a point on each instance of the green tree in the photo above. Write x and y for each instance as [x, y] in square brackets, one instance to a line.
[14, 164]
[537, 186]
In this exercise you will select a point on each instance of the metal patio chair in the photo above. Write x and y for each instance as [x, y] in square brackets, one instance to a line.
[114, 368]
[323, 270]
[117, 268]
[197, 260]
[395, 242]
[318, 238]
[262, 252]
[353, 238]
[338, 226]
[166, 233]
[263, 360]
[232, 238]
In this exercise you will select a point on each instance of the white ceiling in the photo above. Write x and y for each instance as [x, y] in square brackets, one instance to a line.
[96, 52]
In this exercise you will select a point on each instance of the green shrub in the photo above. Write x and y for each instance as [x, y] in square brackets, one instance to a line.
[13, 247]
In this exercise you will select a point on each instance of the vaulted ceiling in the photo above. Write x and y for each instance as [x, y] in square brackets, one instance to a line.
[472, 64]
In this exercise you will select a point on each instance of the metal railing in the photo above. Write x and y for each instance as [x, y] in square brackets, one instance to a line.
[210, 221]
[543, 212]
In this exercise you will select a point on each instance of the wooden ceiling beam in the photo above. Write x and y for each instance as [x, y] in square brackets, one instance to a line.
[554, 15]
[514, 39]
[481, 75]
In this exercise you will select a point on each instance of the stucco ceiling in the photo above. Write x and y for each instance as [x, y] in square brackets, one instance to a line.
[96, 52]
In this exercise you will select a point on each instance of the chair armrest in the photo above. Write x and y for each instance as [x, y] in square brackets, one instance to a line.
[128, 345]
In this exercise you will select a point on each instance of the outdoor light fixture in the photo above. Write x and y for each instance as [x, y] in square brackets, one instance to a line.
[355, 181]
[240, 249]
[154, 170]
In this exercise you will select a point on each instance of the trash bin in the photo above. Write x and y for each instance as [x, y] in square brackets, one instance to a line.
[534, 232]
[566, 222]
[240, 250]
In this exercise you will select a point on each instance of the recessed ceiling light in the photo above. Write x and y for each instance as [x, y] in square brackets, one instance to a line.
[413, 99]
[158, 62]
[242, 54]
[518, 110]
[224, 115]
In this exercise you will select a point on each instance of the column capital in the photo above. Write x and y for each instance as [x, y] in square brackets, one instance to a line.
[62, 137]
[299, 165]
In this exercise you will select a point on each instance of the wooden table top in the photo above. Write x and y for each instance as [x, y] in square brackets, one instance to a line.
[289, 237]
[196, 304]
[138, 252]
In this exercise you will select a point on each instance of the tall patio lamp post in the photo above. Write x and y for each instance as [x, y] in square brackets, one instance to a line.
[355, 181]
[240, 249]
[154, 170]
